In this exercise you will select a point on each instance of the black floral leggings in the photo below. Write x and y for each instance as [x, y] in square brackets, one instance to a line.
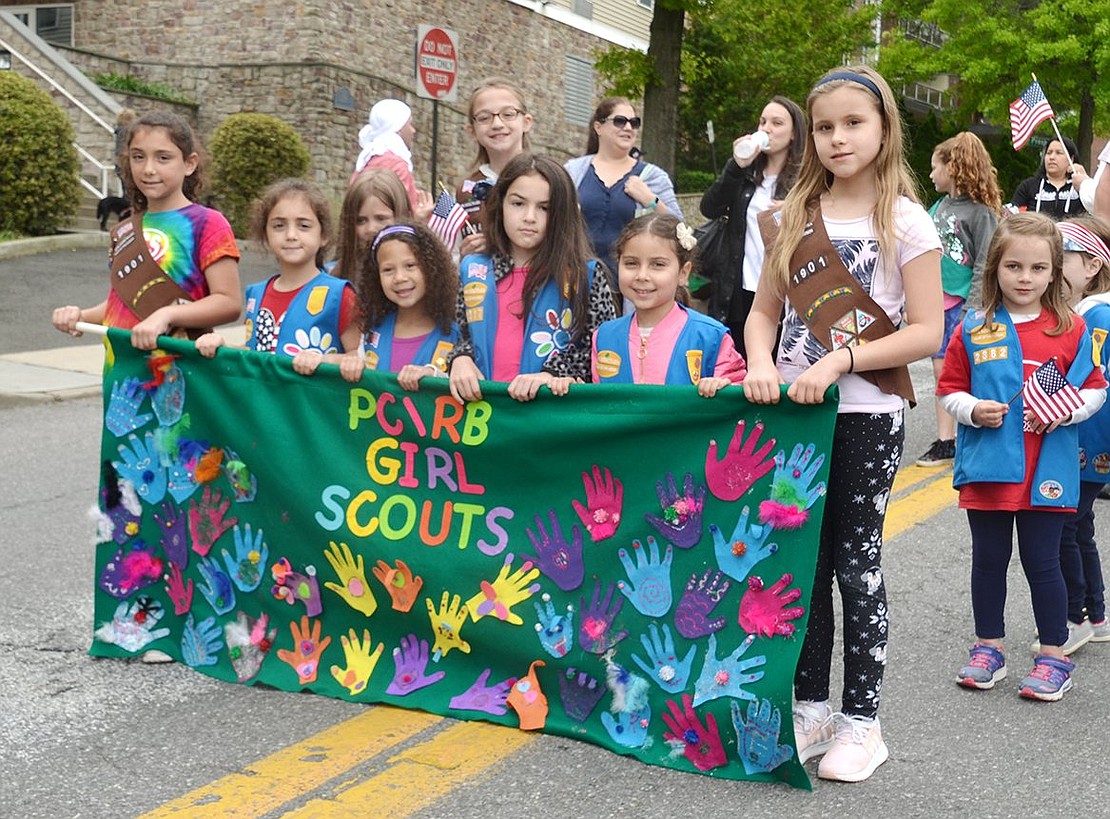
[866, 451]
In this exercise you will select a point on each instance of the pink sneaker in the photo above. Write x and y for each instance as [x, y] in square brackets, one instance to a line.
[813, 729]
[857, 750]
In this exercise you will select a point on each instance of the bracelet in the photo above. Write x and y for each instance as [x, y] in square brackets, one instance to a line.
[653, 205]
[851, 358]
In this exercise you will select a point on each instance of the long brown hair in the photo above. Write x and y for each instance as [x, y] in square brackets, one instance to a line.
[1032, 226]
[603, 110]
[971, 170]
[565, 250]
[789, 173]
[441, 277]
[387, 187]
[181, 134]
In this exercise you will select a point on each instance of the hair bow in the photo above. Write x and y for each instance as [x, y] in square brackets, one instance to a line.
[685, 235]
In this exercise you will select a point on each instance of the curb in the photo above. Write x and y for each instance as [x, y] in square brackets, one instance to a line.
[46, 244]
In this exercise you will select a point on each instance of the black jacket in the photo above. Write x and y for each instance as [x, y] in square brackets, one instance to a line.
[729, 196]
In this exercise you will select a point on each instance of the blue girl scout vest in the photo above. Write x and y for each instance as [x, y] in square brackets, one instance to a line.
[998, 455]
[1094, 433]
[378, 344]
[546, 327]
[694, 355]
[314, 308]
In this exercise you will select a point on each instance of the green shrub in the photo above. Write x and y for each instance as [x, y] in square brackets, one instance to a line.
[693, 181]
[250, 152]
[39, 188]
[130, 84]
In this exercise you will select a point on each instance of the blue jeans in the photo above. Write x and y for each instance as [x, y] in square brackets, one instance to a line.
[1079, 559]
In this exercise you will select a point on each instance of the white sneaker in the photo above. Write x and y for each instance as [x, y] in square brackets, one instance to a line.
[1100, 631]
[813, 729]
[1079, 634]
[856, 752]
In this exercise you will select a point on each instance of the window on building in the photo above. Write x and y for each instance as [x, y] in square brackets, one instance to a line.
[647, 4]
[53, 23]
[578, 90]
[583, 8]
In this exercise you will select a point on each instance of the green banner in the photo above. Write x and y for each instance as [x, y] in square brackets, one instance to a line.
[595, 566]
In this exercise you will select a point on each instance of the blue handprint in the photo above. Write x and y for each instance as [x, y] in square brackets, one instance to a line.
[728, 676]
[630, 728]
[143, 467]
[180, 483]
[249, 563]
[556, 631]
[216, 588]
[757, 739]
[650, 578]
[663, 665]
[791, 495]
[168, 400]
[123, 415]
[738, 555]
[201, 643]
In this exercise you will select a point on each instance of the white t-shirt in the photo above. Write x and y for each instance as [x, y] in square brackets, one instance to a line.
[753, 241]
[1087, 189]
[859, 250]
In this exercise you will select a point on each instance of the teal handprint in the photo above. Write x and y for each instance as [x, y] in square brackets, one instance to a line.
[142, 466]
[757, 738]
[251, 554]
[726, 677]
[629, 728]
[748, 545]
[662, 665]
[649, 586]
[791, 493]
[216, 588]
[122, 415]
[201, 642]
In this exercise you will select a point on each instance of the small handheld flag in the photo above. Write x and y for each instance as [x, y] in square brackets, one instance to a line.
[447, 219]
[1049, 395]
[1027, 112]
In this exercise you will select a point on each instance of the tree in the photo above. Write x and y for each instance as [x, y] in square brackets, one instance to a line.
[993, 46]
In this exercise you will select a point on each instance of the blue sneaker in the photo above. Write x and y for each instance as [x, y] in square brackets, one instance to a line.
[1049, 680]
[985, 666]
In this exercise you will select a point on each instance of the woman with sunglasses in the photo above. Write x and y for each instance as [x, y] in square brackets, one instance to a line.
[613, 182]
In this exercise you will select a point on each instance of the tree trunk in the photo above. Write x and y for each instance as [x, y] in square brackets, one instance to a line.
[1086, 129]
[661, 93]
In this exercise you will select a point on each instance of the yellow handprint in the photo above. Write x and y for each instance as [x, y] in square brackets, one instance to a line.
[360, 662]
[354, 590]
[447, 624]
[499, 597]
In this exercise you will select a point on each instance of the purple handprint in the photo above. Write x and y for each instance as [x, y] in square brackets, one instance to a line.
[410, 659]
[555, 557]
[171, 521]
[580, 694]
[604, 497]
[596, 633]
[740, 467]
[702, 595]
[131, 568]
[292, 586]
[480, 697]
[681, 520]
[768, 612]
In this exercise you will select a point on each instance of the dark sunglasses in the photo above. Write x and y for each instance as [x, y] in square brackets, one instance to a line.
[621, 121]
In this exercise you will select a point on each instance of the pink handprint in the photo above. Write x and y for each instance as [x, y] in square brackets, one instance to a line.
[740, 467]
[767, 612]
[700, 744]
[207, 522]
[604, 497]
[179, 591]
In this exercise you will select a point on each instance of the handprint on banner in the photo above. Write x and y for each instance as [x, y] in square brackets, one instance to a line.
[249, 562]
[307, 648]
[410, 660]
[359, 661]
[726, 677]
[216, 586]
[768, 612]
[628, 728]
[580, 693]
[132, 627]
[680, 523]
[528, 700]
[649, 581]
[201, 642]
[175, 545]
[702, 595]
[747, 546]
[791, 491]
[168, 398]
[206, 519]
[447, 625]
[180, 483]
[556, 558]
[248, 643]
[142, 466]
[662, 665]
[604, 498]
[741, 466]
[293, 586]
[134, 566]
[757, 738]
[352, 585]
[491, 699]
[403, 588]
[179, 590]
[499, 597]
[555, 630]
[122, 415]
[701, 744]
[595, 632]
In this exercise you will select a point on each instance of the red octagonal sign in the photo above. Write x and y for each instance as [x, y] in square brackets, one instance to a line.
[436, 63]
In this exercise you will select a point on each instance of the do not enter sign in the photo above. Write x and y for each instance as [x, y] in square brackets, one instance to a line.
[437, 63]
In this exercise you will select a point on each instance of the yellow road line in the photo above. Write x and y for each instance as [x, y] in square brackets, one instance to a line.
[913, 475]
[919, 505]
[423, 774]
[266, 784]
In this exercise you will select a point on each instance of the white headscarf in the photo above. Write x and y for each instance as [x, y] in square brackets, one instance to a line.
[379, 135]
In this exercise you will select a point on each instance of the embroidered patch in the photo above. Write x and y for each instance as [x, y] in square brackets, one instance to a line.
[824, 298]
[608, 363]
[1101, 463]
[474, 314]
[694, 360]
[988, 335]
[316, 300]
[439, 357]
[474, 293]
[251, 302]
[1098, 339]
[990, 354]
[846, 330]
[478, 271]
[371, 360]
[1050, 490]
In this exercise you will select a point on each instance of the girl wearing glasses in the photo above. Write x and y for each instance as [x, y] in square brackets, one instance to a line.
[613, 183]
[498, 120]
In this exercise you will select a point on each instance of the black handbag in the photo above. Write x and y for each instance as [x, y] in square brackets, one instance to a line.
[713, 256]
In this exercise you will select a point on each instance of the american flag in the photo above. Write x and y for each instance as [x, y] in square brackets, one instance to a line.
[1027, 112]
[447, 219]
[1049, 395]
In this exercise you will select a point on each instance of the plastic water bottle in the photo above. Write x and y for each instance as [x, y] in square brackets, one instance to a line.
[747, 148]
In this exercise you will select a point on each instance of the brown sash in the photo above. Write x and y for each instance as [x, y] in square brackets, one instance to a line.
[138, 280]
[832, 303]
